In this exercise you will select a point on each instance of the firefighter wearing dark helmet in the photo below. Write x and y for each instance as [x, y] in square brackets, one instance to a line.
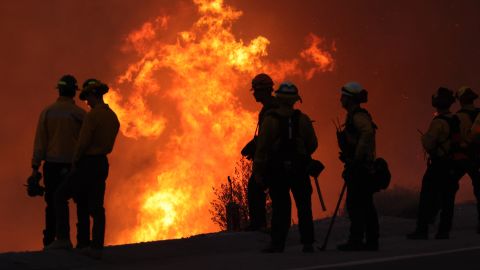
[262, 87]
[286, 140]
[439, 184]
[467, 115]
[90, 164]
[357, 144]
[55, 139]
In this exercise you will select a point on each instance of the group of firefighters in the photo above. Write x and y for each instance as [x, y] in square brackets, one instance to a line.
[285, 140]
[73, 146]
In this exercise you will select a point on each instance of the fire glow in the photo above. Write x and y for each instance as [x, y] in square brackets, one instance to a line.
[199, 76]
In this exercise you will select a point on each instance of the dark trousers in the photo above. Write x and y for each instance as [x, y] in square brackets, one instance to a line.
[301, 188]
[53, 176]
[471, 168]
[87, 185]
[361, 208]
[439, 187]
[257, 200]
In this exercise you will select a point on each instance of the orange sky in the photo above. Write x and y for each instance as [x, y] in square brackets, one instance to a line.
[400, 52]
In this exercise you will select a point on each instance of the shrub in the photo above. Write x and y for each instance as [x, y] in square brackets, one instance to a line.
[397, 202]
[236, 193]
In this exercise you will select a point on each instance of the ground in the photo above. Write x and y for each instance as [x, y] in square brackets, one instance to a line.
[241, 251]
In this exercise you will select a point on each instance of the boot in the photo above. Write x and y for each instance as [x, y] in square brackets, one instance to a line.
[273, 249]
[442, 235]
[94, 253]
[308, 248]
[352, 246]
[60, 244]
[418, 235]
[372, 245]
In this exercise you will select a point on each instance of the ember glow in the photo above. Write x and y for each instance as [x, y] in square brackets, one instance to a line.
[186, 91]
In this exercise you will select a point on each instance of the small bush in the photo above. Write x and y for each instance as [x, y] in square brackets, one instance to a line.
[397, 202]
[237, 194]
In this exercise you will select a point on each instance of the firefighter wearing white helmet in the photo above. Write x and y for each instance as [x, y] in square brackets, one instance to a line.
[467, 115]
[357, 144]
[286, 140]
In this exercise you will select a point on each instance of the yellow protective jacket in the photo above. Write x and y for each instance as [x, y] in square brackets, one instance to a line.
[57, 132]
[98, 133]
[436, 140]
[269, 138]
[466, 122]
[360, 135]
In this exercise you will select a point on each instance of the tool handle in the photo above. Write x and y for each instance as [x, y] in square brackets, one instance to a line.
[322, 202]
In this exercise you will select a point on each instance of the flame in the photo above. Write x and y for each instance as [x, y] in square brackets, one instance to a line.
[195, 80]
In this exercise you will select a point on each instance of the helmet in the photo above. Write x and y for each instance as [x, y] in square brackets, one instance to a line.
[443, 98]
[356, 91]
[67, 82]
[262, 82]
[466, 93]
[93, 86]
[89, 81]
[288, 90]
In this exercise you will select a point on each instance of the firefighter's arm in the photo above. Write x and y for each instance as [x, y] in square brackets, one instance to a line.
[366, 139]
[311, 142]
[40, 142]
[85, 137]
[430, 139]
[265, 140]
[475, 130]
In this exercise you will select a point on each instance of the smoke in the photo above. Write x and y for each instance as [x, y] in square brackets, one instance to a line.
[401, 52]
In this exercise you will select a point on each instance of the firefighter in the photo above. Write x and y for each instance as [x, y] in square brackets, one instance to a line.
[439, 184]
[286, 140]
[467, 115]
[262, 87]
[357, 143]
[55, 139]
[90, 165]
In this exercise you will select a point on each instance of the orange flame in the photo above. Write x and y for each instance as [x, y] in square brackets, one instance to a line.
[196, 79]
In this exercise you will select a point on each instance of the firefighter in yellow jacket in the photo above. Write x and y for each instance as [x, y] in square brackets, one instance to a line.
[286, 141]
[90, 165]
[357, 143]
[55, 139]
[467, 115]
[439, 184]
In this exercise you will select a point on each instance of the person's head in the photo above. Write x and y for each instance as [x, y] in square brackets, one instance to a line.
[93, 91]
[353, 94]
[466, 95]
[262, 87]
[443, 99]
[67, 86]
[287, 94]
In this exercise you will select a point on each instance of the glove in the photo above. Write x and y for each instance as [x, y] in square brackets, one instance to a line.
[33, 184]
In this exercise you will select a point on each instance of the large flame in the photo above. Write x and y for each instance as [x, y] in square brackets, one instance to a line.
[195, 82]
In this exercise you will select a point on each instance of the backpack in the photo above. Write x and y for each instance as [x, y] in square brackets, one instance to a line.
[381, 174]
[286, 157]
[457, 151]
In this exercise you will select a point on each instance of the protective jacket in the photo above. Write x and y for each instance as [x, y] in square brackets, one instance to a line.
[57, 132]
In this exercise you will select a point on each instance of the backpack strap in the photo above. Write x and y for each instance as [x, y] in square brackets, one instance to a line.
[454, 131]
[472, 114]
[349, 123]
